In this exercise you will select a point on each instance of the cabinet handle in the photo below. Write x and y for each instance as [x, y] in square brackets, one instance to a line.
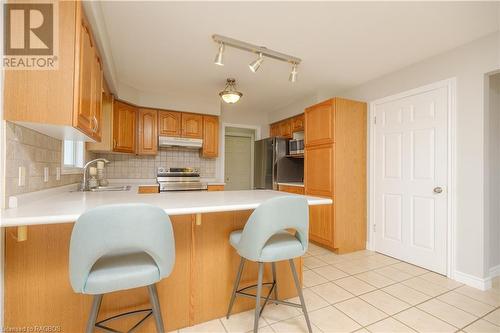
[96, 124]
[114, 143]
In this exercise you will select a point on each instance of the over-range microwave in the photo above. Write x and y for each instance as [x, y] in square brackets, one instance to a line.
[296, 146]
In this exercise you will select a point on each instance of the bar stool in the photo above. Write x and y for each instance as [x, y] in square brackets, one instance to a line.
[119, 247]
[264, 239]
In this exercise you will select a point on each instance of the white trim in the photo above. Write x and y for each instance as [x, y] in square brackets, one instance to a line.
[471, 280]
[494, 271]
[450, 84]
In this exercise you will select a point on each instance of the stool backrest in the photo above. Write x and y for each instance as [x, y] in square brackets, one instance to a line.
[271, 217]
[115, 229]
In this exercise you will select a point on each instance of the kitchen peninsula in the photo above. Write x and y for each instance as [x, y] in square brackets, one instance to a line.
[36, 270]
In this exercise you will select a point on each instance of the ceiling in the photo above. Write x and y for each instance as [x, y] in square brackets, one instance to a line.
[165, 48]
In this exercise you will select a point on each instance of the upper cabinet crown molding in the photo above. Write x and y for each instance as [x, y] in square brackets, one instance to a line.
[64, 103]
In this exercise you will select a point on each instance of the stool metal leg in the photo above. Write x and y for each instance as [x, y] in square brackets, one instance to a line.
[299, 291]
[94, 311]
[273, 267]
[257, 298]
[235, 288]
[155, 304]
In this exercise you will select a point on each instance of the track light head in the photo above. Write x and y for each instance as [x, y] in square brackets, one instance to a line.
[293, 74]
[254, 65]
[218, 57]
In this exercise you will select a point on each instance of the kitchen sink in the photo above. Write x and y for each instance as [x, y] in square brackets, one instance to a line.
[110, 188]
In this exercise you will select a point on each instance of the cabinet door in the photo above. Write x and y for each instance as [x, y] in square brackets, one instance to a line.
[169, 123]
[210, 136]
[192, 125]
[321, 224]
[319, 124]
[124, 126]
[318, 170]
[84, 113]
[286, 129]
[274, 130]
[147, 141]
[298, 123]
[97, 99]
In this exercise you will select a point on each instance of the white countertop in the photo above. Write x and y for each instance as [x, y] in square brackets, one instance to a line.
[65, 206]
[298, 184]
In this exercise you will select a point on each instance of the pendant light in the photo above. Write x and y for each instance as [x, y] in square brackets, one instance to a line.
[230, 95]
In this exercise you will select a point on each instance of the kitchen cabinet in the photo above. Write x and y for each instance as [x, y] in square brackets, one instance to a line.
[298, 123]
[147, 132]
[215, 187]
[169, 123]
[319, 121]
[192, 125]
[335, 167]
[65, 102]
[124, 127]
[210, 146]
[285, 128]
[106, 126]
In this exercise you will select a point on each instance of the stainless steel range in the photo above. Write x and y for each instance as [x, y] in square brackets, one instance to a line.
[179, 179]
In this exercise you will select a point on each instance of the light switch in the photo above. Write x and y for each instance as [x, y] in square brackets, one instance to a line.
[46, 174]
[58, 173]
[22, 176]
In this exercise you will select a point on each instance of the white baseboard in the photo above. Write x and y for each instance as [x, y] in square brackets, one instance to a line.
[472, 281]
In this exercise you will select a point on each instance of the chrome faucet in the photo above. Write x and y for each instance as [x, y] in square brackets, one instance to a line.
[85, 185]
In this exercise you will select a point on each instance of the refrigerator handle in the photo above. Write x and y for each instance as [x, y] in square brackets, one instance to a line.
[275, 164]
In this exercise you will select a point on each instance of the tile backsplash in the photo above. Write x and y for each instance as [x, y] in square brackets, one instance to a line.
[34, 151]
[144, 167]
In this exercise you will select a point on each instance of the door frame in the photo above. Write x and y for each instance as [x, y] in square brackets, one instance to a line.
[450, 84]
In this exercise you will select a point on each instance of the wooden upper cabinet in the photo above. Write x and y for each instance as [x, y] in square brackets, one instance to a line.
[286, 129]
[169, 123]
[210, 136]
[192, 125]
[124, 127]
[147, 132]
[298, 123]
[97, 85]
[274, 130]
[319, 124]
[67, 96]
[84, 113]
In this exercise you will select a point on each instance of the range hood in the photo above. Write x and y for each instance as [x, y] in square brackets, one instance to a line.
[172, 141]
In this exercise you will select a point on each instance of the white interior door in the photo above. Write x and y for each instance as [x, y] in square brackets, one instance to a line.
[410, 178]
[238, 163]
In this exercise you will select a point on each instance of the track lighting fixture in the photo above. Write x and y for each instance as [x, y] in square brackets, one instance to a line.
[218, 57]
[260, 50]
[230, 95]
[254, 65]
[293, 74]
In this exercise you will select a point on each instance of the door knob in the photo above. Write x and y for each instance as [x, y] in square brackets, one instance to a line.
[438, 190]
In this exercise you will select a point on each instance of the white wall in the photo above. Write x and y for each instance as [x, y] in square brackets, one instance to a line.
[492, 169]
[469, 64]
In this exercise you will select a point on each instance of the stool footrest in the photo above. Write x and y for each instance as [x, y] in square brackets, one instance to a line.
[148, 313]
[273, 300]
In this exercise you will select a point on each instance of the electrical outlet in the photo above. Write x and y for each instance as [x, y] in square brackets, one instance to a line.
[22, 176]
[46, 174]
[58, 173]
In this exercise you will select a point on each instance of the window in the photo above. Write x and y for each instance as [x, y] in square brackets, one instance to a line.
[73, 156]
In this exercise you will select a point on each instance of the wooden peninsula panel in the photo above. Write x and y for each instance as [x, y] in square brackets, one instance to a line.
[38, 291]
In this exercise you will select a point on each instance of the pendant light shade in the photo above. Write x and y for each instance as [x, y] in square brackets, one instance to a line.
[230, 95]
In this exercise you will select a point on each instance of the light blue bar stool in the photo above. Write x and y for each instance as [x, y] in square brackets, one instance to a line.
[264, 239]
[119, 247]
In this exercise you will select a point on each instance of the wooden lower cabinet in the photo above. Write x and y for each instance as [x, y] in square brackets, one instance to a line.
[38, 291]
[215, 187]
[321, 225]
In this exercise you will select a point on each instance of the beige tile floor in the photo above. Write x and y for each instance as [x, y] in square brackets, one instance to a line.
[368, 292]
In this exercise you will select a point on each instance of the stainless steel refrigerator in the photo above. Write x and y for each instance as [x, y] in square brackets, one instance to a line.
[271, 164]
